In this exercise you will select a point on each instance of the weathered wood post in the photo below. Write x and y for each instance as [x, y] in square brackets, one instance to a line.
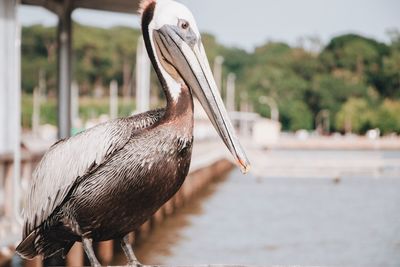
[106, 252]
[75, 256]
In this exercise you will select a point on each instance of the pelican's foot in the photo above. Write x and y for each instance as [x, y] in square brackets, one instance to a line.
[87, 245]
[127, 248]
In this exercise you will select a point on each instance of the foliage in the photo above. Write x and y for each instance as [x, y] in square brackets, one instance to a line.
[388, 117]
[355, 116]
[356, 78]
[39, 52]
[297, 116]
[88, 109]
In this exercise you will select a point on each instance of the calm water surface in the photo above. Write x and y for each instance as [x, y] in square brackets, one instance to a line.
[286, 221]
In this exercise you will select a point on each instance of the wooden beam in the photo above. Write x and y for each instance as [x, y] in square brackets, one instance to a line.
[54, 6]
[122, 6]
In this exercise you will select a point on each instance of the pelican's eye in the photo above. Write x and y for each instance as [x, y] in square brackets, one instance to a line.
[183, 24]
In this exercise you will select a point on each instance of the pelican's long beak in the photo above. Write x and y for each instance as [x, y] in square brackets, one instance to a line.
[187, 55]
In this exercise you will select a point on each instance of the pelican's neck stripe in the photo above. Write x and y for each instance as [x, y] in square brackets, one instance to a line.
[147, 17]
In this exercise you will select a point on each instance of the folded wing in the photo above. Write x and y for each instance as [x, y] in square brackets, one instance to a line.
[72, 158]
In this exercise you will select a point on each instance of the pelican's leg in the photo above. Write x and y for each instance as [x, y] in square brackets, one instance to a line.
[126, 246]
[87, 245]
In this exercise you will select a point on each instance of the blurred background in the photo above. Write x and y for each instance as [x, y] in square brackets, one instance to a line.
[313, 89]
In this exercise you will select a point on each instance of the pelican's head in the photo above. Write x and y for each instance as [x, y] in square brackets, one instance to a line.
[173, 42]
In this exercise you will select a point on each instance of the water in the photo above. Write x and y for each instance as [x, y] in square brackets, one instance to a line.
[265, 221]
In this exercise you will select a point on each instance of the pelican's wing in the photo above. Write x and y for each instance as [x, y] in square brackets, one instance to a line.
[72, 158]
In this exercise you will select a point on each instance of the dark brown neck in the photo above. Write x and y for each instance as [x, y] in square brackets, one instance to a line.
[181, 109]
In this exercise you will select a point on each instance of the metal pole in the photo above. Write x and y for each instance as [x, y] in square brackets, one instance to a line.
[322, 122]
[327, 121]
[75, 104]
[64, 36]
[42, 83]
[4, 87]
[38, 94]
[230, 92]
[9, 89]
[17, 114]
[243, 113]
[219, 60]
[113, 100]
[142, 78]
[36, 111]
[272, 105]
[10, 96]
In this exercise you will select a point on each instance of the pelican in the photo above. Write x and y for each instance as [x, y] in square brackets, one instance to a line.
[106, 182]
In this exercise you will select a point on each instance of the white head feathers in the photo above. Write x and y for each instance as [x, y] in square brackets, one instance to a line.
[168, 12]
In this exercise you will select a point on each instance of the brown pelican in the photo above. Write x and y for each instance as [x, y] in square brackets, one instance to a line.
[107, 181]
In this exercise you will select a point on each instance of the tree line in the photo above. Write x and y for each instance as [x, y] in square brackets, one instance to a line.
[355, 79]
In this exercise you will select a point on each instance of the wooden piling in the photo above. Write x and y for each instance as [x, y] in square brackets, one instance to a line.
[144, 230]
[179, 199]
[75, 256]
[106, 252]
[158, 217]
[169, 208]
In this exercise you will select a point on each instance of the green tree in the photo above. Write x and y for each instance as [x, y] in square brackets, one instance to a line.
[351, 72]
[388, 118]
[38, 49]
[297, 116]
[356, 116]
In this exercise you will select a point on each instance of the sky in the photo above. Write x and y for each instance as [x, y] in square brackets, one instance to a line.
[250, 23]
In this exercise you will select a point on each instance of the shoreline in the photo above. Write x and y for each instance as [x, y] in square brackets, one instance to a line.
[336, 143]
